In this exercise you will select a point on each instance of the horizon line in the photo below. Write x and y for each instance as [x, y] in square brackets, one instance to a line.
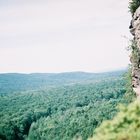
[104, 71]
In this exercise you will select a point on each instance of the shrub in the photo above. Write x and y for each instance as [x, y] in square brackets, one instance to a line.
[125, 126]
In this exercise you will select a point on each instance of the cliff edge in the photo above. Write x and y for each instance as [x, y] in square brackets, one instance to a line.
[126, 124]
[135, 56]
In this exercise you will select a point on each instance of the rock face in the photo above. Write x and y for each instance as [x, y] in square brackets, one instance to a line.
[135, 57]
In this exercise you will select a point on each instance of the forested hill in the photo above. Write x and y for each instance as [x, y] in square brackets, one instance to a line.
[13, 82]
[61, 106]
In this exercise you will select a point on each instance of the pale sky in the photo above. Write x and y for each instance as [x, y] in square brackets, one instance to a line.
[63, 35]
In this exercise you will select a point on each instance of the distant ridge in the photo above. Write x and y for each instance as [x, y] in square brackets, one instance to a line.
[20, 82]
[67, 72]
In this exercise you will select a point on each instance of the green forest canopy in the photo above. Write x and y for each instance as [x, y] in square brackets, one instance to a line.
[65, 106]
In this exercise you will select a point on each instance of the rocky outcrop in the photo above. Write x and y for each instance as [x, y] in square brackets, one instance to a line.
[135, 56]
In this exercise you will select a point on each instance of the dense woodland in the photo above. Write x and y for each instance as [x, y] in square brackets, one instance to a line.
[58, 110]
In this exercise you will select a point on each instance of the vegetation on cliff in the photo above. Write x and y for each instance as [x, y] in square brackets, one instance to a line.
[133, 5]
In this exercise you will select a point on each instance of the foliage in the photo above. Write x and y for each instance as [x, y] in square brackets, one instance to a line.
[133, 5]
[125, 126]
[130, 95]
[135, 57]
[61, 113]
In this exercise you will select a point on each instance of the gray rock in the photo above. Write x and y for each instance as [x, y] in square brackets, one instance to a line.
[135, 56]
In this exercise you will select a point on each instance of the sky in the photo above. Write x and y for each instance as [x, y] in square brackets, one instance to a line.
[63, 35]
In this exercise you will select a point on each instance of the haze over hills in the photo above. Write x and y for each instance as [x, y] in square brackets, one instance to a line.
[15, 81]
